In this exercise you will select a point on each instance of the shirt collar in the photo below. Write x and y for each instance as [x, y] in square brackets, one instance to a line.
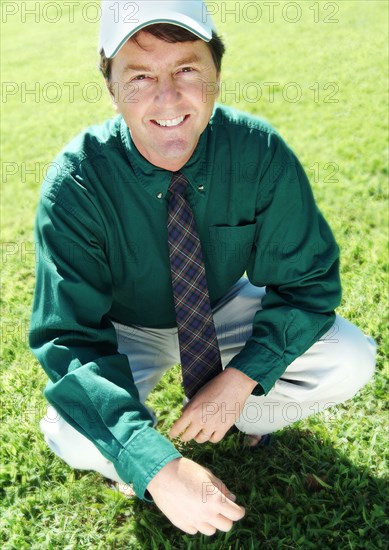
[156, 180]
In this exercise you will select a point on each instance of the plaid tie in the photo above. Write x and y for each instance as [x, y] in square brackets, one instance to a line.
[199, 350]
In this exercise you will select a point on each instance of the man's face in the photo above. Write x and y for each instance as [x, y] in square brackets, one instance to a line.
[165, 93]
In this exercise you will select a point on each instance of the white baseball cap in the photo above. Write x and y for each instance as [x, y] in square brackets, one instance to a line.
[121, 19]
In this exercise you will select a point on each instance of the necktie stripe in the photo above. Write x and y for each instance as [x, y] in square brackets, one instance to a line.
[184, 256]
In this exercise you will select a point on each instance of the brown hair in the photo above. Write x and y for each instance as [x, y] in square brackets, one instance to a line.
[170, 33]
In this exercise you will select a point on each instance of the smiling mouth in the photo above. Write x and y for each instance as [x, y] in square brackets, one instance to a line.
[170, 123]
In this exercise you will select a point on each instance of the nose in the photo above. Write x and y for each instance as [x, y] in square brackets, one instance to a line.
[167, 91]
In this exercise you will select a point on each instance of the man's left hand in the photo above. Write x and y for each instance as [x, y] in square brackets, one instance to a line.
[215, 408]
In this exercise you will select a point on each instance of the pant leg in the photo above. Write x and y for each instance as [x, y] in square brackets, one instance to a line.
[150, 353]
[73, 447]
[328, 373]
[331, 371]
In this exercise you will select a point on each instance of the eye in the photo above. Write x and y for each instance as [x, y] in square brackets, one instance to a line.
[140, 77]
[187, 69]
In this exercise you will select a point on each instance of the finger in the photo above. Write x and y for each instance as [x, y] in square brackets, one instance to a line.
[190, 530]
[222, 523]
[225, 492]
[217, 436]
[230, 509]
[206, 528]
[203, 437]
[179, 426]
[229, 495]
[187, 528]
[233, 511]
[191, 432]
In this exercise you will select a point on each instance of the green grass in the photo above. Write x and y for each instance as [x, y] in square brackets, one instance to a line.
[321, 484]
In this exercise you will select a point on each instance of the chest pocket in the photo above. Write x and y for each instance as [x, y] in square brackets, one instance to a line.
[228, 249]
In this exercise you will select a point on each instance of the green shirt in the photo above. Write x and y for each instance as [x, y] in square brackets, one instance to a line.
[103, 255]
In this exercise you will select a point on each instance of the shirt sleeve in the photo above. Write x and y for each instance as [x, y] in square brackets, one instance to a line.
[297, 259]
[91, 384]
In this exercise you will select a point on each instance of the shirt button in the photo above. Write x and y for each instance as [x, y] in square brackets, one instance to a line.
[200, 187]
[159, 195]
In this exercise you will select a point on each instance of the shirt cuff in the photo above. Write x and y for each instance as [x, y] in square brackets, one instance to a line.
[260, 364]
[145, 455]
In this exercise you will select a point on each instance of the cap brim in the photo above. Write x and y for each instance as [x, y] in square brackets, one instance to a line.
[122, 34]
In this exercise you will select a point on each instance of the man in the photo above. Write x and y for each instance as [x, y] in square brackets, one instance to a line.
[149, 227]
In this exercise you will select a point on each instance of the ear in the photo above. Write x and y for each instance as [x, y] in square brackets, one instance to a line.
[217, 90]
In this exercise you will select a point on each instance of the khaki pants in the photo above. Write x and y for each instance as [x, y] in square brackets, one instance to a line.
[328, 373]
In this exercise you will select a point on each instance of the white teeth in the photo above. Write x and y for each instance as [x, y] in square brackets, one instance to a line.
[172, 122]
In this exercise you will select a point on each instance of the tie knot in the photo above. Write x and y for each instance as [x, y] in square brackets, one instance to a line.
[178, 183]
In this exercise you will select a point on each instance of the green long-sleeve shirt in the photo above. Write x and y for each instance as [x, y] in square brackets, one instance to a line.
[103, 255]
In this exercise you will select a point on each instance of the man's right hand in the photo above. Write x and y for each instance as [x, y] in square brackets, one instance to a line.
[193, 499]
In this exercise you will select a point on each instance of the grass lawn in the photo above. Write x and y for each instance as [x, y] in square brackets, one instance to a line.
[317, 72]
